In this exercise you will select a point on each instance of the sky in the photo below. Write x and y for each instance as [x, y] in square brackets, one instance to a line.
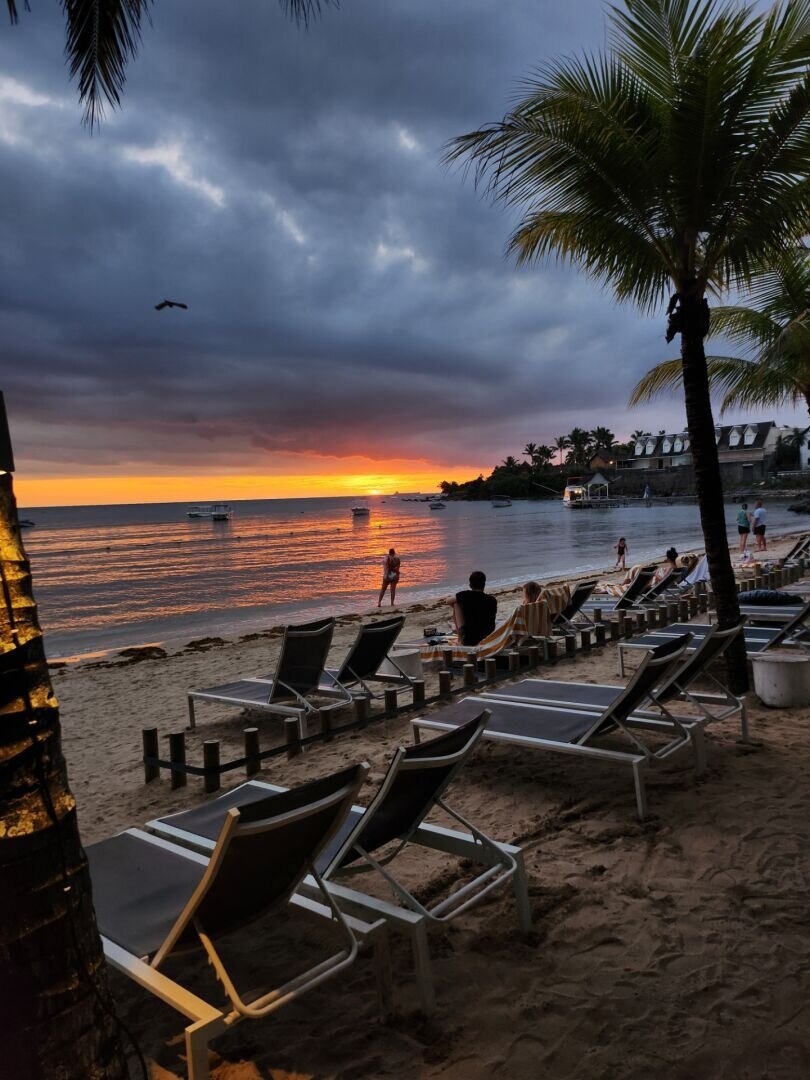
[353, 322]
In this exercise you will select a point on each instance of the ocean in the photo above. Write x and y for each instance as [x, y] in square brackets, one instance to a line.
[108, 577]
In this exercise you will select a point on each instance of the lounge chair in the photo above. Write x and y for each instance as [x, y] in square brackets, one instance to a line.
[575, 731]
[154, 899]
[527, 623]
[678, 686]
[799, 549]
[285, 692]
[631, 595]
[370, 649]
[564, 622]
[757, 638]
[414, 784]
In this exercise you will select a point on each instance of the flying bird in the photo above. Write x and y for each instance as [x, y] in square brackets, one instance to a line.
[170, 303]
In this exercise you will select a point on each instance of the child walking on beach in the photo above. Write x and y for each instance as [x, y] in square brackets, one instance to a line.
[621, 550]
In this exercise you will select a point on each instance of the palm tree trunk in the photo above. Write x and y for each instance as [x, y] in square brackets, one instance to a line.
[53, 994]
[708, 484]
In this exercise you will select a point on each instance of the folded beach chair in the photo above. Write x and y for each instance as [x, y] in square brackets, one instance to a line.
[154, 899]
[578, 731]
[631, 595]
[371, 838]
[679, 685]
[371, 647]
[299, 673]
[757, 638]
[564, 622]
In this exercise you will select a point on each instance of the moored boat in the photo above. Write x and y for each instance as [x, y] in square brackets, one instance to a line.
[501, 501]
[210, 511]
[360, 511]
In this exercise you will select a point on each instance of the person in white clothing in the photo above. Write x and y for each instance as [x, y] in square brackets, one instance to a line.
[758, 520]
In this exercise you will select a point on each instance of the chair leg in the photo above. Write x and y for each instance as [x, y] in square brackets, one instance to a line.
[744, 733]
[197, 1036]
[521, 889]
[698, 739]
[423, 969]
[383, 975]
[192, 719]
[641, 790]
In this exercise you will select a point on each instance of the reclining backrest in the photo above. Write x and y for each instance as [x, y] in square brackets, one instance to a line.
[797, 623]
[415, 779]
[262, 854]
[665, 583]
[581, 593]
[304, 649]
[370, 648]
[713, 645]
[657, 665]
[636, 587]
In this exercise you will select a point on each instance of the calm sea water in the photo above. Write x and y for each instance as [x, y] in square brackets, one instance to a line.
[110, 576]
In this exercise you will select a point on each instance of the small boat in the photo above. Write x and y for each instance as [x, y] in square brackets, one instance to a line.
[501, 501]
[26, 523]
[360, 511]
[210, 511]
[436, 504]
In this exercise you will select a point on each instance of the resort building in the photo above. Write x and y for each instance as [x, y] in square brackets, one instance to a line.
[746, 451]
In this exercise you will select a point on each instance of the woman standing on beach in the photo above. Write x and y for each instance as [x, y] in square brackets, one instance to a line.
[391, 564]
[743, 525]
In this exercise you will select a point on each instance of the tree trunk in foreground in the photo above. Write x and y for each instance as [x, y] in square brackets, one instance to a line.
[52, 971]
[708, 484]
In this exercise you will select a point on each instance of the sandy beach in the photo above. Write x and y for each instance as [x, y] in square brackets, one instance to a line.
[675, 948]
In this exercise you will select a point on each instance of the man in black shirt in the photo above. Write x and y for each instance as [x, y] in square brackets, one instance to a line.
[474, 611]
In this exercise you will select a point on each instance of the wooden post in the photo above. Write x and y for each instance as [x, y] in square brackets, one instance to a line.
[361, 711]
[703, 601]
[177, 754]
[585, 638]
[534, 655]
[490, 667]
[641, 621]
[627, 627]
[211, 780]
[445, 683]
[514, 660]
[325, 716]
[597, 615]
[551, 650]
[614, 629]
[391, 705]
[252, 762]
[600, 633]
[570, 645]
[447, 659]
[683, 610]
[672, 611]
[469, 675]
[692, 604]
[292, 735]
[418, 688]
[151, 748]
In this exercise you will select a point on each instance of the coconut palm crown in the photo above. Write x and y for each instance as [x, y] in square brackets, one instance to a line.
[675, 161]
[771, 325]
[102, 37]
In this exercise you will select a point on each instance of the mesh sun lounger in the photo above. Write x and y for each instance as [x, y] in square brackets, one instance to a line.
[799, 549]
[678, 686]
[564, 622]
[577, 731]
[299, 673]
[154, 899]
[757, 638]
[371, 647]
[414, 784]
[631, 595]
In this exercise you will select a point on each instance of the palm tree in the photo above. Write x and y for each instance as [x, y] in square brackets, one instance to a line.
[638, 434]
[674, 161]
[530, 450]
[509, 462]
[773, 328]
[561, 444]
[102, 36]
[603, 439]
[581, 446]
[543, 456]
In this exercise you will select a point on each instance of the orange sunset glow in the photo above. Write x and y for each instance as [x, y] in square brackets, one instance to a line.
[96, 490]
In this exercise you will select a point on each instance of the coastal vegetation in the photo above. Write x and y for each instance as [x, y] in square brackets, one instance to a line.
[672, 164]
[771, 324]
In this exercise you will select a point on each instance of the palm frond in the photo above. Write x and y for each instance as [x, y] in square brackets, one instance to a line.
[13, 12]
[668, 375]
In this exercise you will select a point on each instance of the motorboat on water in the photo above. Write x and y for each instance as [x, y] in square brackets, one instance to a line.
[360, 511]
[26, 523]
[210, 511]
[436, 504]
[501, 501]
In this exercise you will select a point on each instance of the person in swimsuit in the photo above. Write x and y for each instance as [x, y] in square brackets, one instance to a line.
[391, 565]
[621, 550]
[743, 525]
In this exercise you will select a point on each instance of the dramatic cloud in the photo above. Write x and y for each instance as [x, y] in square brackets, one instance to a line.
[347, 294]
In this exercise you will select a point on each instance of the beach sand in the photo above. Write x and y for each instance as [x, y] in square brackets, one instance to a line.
[678, 947]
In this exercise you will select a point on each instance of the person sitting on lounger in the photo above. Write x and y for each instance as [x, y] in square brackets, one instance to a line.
[474, 611]
[670, 563]
[531, 593]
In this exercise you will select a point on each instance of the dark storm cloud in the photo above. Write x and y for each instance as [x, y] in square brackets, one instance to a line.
[347, 294]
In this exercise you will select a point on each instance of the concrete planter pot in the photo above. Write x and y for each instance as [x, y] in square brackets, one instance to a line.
[782, 680]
